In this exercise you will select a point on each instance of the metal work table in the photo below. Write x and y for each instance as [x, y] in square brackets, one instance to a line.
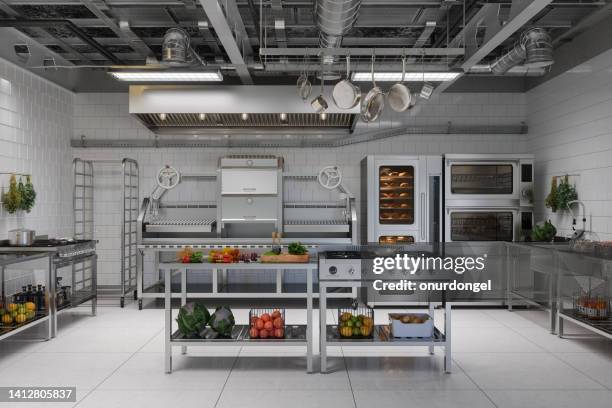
[527, 264]
[296, 335]
[13, 258]
[381, 336]
[219, 287]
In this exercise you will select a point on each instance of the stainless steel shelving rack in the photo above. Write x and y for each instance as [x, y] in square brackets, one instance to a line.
[83, 207]
[381, 336]
[296, 335]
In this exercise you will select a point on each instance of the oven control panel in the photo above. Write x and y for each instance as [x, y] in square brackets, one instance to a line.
[340, 269]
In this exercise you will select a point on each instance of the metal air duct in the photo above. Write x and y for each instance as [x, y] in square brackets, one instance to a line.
[534, 49]
[177, 51]
[334, 19]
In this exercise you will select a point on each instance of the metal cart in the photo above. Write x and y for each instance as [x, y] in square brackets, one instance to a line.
[296, 335]
[83, 207]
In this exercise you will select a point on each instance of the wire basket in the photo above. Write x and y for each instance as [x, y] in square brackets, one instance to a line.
[591, 307]
[267, 323]
[356, 323]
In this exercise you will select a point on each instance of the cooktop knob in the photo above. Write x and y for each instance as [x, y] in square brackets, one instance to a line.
[333, 270]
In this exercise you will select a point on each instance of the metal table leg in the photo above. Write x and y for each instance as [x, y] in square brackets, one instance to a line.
[323, 326]
[94, 285]
[509, 278]
[183, 272]
[53, 297]
[309, 340]
[431, 316]
[448, 362]
[168, 325]
[139, 276]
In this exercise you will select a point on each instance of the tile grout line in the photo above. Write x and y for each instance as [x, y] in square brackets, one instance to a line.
[475, 383]
[228, 376]
[116, 369]
[348, 376]
[553, 354]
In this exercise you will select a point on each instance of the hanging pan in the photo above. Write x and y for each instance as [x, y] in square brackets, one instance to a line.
[399, 97]
[346, 95]
[374, 101]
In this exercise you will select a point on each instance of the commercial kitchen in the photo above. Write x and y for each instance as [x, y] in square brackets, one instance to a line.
[313, 203]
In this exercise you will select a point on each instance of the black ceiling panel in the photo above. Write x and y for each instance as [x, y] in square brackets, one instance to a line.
[99, 32]
[56, 48]
[49, 11]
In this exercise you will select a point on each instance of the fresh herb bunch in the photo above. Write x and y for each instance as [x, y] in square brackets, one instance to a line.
[11, 200]
[551, 198]
[544, 232]
[296, 248]
[28, 195]
[565, 193]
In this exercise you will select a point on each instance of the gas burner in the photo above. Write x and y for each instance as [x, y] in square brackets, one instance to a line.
[343, 255]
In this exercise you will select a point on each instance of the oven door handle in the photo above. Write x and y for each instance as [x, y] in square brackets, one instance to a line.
[482, 209]
[422, 211]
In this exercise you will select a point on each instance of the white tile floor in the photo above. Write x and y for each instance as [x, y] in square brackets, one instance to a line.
[501, 359]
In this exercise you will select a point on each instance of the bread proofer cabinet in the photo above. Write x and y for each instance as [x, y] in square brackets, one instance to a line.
[250, 196]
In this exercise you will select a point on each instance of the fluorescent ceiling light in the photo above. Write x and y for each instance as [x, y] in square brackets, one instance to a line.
[146, 76]
[410, 76]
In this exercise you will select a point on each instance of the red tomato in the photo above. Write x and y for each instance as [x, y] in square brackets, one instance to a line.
[266, 317]
[278, 323]
[263, 334]
[276, 314]
[186, 259]
[259, 324]
[279, 333]
[254, 319]
[254, 333]
[268, 326]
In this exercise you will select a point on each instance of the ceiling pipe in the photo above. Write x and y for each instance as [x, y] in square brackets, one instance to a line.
[534, 49]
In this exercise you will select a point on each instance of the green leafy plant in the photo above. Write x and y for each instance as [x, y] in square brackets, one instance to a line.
[565, 193]
[296, 248]
[11, 200]
[28, 195]
[551, 198]
[544, 232]
[192, 319]
[222, 321]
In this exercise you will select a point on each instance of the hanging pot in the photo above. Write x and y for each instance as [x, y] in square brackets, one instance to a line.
[346, 95]
[319, 104]
[374, 101]
[303, 84]
[399, 97]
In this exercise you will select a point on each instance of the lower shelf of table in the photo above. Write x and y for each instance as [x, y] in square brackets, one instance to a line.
[382, 336]
[7, 331]
[77, 298]
[294, 335]
[533, 297]
[601, 327]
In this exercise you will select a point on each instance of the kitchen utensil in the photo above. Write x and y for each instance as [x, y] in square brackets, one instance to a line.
[303, 84]
[374, 102]
[346, 95]
[21, 237]
[319, 104]
[399, 97]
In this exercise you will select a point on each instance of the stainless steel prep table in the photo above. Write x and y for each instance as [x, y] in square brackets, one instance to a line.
[296, 335]
[156, 289]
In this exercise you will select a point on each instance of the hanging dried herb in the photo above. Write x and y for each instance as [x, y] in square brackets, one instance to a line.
[28, 197]
[565, 193]
[11, 200]
[551, 199]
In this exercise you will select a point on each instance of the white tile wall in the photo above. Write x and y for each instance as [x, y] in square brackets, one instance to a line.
[99, 115]
[570, 132]
[35, 129]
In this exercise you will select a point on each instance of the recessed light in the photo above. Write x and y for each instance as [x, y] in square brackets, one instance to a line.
[163, 116]
[244, 116]
[151, 76]
[323, 116]
[283, 116]
[410, 76]
[202, 116]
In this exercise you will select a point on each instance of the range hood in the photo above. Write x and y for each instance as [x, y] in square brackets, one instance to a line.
[185, 109]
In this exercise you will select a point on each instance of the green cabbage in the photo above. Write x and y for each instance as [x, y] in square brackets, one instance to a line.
[191, 319]
[222, 321]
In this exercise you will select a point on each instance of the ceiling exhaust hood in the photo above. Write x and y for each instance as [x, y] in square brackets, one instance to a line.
[184, 109]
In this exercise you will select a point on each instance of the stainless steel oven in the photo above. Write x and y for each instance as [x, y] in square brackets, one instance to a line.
[498, 180]
[465, 224]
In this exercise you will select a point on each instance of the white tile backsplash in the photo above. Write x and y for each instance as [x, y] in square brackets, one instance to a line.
[570, 132]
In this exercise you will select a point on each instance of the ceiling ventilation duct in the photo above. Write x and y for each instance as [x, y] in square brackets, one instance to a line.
[177, 51]
[335, 18]
[534, 50]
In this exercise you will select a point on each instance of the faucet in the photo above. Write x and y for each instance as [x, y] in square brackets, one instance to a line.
[577, 233]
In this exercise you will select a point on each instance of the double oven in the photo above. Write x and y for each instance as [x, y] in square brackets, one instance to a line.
[488, 197]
